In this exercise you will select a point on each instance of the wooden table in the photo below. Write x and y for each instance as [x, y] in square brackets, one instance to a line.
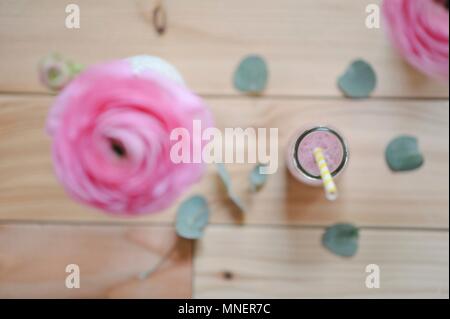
[274, 250]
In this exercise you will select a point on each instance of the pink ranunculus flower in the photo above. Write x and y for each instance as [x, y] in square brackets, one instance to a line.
[419, 29]
[111, 135]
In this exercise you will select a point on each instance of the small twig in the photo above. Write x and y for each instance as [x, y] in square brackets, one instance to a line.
[145, 274]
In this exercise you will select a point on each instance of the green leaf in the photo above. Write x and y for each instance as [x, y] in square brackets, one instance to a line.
[341, 239]
[226, 180]
[192, 217]
[358, 81]
[257, 179]
[251, 75]
[402, 154]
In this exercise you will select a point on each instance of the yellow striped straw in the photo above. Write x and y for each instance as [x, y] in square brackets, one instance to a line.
[328, 182]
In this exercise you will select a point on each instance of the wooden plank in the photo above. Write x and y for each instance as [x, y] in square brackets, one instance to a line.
[369, 193]
[290, 263]
[33, 260]
[306, 43]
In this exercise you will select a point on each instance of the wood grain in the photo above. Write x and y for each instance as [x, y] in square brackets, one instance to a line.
[33, 260]
[236, 262]
[369, 193]
[307, 44]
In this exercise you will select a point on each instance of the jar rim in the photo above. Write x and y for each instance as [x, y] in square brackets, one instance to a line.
[345, 152]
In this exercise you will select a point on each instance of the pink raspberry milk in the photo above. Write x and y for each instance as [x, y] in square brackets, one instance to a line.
[300, 158]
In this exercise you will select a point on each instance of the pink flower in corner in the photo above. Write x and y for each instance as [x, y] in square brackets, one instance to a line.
[111, 135]
[419, 29]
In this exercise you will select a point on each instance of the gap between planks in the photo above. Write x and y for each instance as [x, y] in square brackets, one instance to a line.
[258, 97]
[218, 225]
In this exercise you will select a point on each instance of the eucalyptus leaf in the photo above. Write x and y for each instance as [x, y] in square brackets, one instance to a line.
[226, 180]
[237, 201]
[192, 217]
[341, 239]
[251, 75]
[403, 154]
[257, 179]
[359, 80]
